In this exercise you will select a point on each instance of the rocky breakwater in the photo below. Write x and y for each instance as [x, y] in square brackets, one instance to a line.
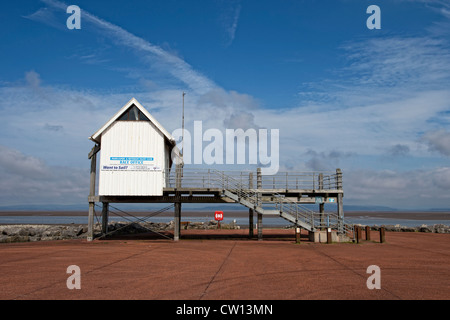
[24, 233]
[436, 228]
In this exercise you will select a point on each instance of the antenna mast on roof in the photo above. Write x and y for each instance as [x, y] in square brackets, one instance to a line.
[182, 131]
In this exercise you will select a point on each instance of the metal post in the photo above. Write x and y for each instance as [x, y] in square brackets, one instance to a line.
[338, 179]
[250, 211]
[322, 217]
[321, 205]
[177, 207]
[182, 130]
[287, 182]
[329, 238]
[340, 213]
[259, 186]
[340, 203]
[320, 181]
[90, 234]
[105, 211]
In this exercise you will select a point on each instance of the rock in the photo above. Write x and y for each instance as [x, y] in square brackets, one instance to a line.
[68, 234]
[441, 228]
[80, 231]
[23, 232]
[425, 228]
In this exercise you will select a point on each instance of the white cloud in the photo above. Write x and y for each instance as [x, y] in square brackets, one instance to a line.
[25, 179]
[33, 79]
[438, 141]
[415, 189]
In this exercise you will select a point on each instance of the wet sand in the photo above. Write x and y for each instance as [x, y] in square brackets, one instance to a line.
[413, 266]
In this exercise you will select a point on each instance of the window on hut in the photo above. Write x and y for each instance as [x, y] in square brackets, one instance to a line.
[133, 114]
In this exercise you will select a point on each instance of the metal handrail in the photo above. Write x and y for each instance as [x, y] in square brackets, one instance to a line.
[238, 183]
[332, 220]
[207, 178]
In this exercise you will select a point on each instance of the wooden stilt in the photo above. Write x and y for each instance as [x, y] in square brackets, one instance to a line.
[250, 211]
[93, 157]
[259, 186]
[105, 214]
[177, 224]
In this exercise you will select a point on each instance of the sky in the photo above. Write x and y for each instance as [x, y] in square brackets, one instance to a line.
[373, 102]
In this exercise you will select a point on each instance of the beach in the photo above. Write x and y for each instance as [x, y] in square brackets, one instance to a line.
[230, 267]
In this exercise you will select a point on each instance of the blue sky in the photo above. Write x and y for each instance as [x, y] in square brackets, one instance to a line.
[375, 103]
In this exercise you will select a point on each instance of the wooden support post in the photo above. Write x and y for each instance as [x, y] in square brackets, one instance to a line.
[177, 220]
[90, 234]
[177, 207]
[105, 212]
[382, 235]
[367, 233]
[259, 186]
[250, 211]
[357, 234]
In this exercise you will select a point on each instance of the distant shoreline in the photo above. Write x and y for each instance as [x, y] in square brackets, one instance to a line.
[419, 215]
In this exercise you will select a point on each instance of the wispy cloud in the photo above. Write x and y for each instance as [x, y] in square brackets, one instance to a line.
[47, 16]
[399, 62]
[165, 60]
[229, 19]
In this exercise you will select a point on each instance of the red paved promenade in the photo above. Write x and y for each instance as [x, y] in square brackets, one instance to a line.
[413, 266]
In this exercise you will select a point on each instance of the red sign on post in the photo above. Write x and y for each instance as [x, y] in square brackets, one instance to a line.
[218, 215]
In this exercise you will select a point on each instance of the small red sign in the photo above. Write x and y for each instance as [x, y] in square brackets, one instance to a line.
[218, 215]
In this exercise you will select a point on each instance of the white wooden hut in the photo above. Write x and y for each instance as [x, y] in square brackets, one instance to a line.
[135, 153]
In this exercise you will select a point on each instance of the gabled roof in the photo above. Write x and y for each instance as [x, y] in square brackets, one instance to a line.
[96, 136]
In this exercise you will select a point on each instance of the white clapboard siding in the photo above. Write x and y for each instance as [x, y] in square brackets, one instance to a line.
[132, 139]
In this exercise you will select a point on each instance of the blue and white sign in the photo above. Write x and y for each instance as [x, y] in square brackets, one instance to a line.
[130, 168]
[131, 164]
[132, 160]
